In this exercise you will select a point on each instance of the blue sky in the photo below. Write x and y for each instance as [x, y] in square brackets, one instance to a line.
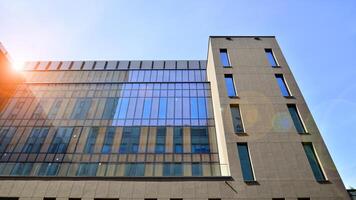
[318, 39]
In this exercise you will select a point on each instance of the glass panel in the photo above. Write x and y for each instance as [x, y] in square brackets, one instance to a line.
[160, 140]
[6, 135]
[245, 162]
[296, 118]
[147, 108]
[123, 108]
[224, 58]
[110, 108]
[270, 57]
[202, 107]
[35, 140]
[178, 140]
[81, 108]
[236, 119]
[313, 161]
[282, 85]
[200, 140]
[90, 144]
[61, 140]
[130, 140]
[86, 169]
[109, 140]
[197, 169]
[54, 109]
[194, 108]
[22, 169]
[230, 86]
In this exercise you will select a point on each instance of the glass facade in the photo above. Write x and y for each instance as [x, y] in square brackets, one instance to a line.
[132, 122]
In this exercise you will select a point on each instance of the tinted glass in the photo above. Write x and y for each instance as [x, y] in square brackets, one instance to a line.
[35, 140]
[282, 85]
[130, 140]
[160, 140]
[110, 108]
[313, 161]
[90, 144]
[6, 135]
[236, 119]
[224, 58]
[81, 108]
[200, 140]
[245, 162]
[296, 118]
[109, 140]
[270, 57]
[178, 140]
[230, 86]
[60, 141]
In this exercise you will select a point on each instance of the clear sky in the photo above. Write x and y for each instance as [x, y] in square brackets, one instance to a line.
[318, 39]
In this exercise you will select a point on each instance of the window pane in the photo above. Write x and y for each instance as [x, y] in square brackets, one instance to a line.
[313, 161]
[197, 169]
[81, 108]
[270, 57]
[147, 108]
[245, 162]
[90, 144]
[202, 107]
[162, 108]
[296, 118]
[194, 108]
[282, 85]
[224, 58]
[236, 119]
[6, 135]
[61, 140]
[200, 140]
[123, 108]
[160, 140]
[178, 140]
[230, 86]
[110, 108]
[109, 139]
[130, 140]
[35, 140]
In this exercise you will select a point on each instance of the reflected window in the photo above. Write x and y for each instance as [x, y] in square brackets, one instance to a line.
[160, 140]
[282, 85]
[200, 140]
[61, 140]
[224, 58]
[123, 108]
[178, 140]
[81, 108]
[48, 169]
[172, 169]
[109, 140]
[35, 140]
[22, 169]
[6, 135]
[271, 59]
[197, 169]
[147, 108]
[87, 169]
[245, 162]
[313, 161]
[111, 105]
[297, 121]
[230, 86]
[130, 140]
[194, 108]
[134, 169]
[90, 144]
[55, 108]
[236, 119]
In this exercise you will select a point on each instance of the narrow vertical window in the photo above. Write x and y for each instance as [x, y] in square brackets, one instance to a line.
[130, 140]
[147, 108]
[54, 109]
[35, 140]
[282, 85]
[230, 86]
[224, 58]
[178, 140]
[160, 140]
[271, 59]
[194, 108]
[236, 119]
[197, 169]
[200, 140]
[296, 118]
[123, 108]
[61, 140]
[162, 108]
[109, 140]
[6, 135]
[245, 162]
[313, 161]
[90, 144]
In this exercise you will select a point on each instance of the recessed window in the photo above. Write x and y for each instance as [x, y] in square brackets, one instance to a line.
[236, 119]
[296, 118]
[245, 162]
[313, 161]
[282, 85]
[224, 58]
[230, 86]
[278, 198]
[271, 59]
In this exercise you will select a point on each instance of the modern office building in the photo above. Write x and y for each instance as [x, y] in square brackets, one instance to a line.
[234, 126]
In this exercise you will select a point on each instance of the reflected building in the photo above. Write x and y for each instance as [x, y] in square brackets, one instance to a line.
[234, 126]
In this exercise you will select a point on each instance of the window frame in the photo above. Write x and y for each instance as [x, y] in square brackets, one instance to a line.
[317, 159]
[224, 50]
[250, 160]
[233, 85]
[281, 76]
[299, 117]
[232, 119]
[270, 50]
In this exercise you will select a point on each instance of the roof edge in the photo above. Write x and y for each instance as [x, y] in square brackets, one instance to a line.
[242, 36]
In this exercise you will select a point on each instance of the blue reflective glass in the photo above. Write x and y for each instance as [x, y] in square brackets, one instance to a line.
[22, 169]
[194, 108]
[178, 140]
[160, 140]
[282, 85]
[270, 57]
[200, 140]
[245, 162]
[111, 105]
[296, 118]
[197, 169]
[130, 140]
[162, 108]
[230, 86]
[48, 169]
[86, 169]
[61, 140]
[147, 108]
[202, 107]
[313, 161]
[123, 108]
[224, 58]
[81, 108]
[35, 140]
[134, 169]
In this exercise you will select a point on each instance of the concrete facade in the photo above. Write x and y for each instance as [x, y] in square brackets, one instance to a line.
[279, 163]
